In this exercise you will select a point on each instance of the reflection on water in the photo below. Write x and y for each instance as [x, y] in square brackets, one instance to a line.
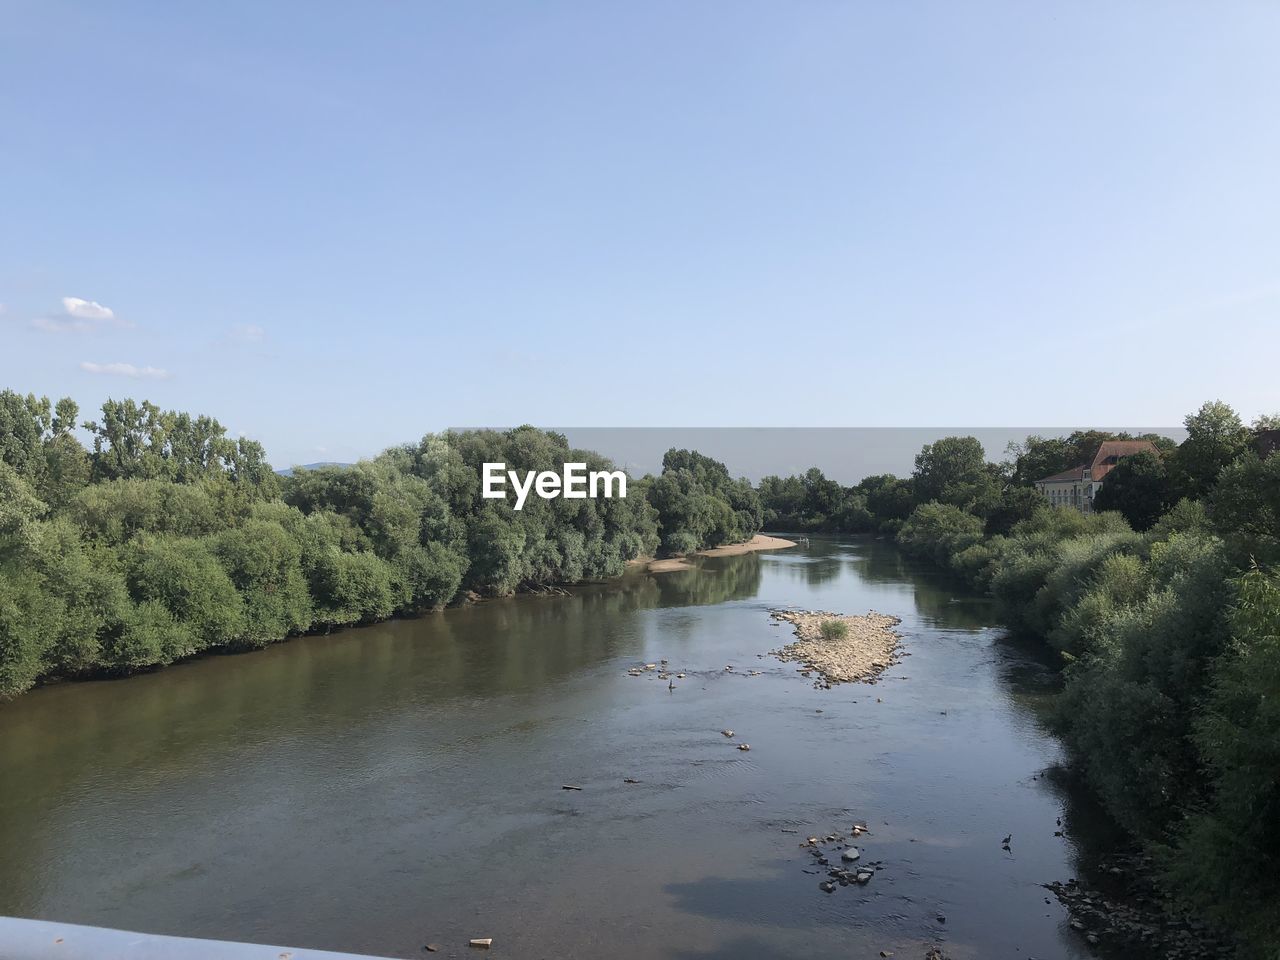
[384, 787]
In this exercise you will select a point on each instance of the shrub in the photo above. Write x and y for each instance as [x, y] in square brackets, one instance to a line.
[938, 531]
[833, 629]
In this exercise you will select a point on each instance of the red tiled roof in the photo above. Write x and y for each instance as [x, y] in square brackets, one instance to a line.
[1075, 473]
[1110, 452]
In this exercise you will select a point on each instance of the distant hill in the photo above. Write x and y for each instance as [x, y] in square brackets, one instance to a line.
[288, 471]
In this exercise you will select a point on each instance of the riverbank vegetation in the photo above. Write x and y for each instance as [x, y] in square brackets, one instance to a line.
[1164, 606]
[164, 538]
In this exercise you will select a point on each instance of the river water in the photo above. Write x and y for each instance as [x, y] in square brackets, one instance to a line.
[387, 787]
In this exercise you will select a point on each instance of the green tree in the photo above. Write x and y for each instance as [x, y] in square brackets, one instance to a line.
[1215, 437]
[19, 507]
[182, 574]
[264, 564]
[1014, 505]
[1138, 487]
[938, 531]
[1229, 847]
[890, 499]
[1245, 507]
[952, 470]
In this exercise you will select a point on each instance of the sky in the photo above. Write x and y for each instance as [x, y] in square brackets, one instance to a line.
[336, 227]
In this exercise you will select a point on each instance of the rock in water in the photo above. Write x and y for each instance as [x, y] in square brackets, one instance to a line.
[850, 855]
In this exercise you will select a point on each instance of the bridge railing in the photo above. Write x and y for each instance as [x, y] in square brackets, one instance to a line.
[47, 940]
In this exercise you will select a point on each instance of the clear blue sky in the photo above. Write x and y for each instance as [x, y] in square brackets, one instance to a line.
[336, 227]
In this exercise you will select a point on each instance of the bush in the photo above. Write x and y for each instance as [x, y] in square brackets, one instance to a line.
[1226, 859]
[938, 532]
[833, 629]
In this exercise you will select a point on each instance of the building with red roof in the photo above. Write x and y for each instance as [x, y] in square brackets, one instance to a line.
[1076, 488]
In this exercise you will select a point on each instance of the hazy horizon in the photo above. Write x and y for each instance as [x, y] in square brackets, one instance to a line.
[844, 454]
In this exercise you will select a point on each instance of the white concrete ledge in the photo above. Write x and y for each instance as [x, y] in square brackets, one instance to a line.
[46, 940]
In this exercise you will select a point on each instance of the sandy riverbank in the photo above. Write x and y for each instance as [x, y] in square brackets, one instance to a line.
[867, 648]
[758, 542]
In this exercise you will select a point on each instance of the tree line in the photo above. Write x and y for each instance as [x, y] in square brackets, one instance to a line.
[163, 538]
[1164, 606]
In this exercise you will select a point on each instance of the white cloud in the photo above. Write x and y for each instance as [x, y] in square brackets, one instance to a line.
[126, 370]
[80, 316]
[87, 309]
[248, 333]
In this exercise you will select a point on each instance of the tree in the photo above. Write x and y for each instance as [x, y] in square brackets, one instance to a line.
[1245, 507]
[939, 531]
[19, 507]
[1230, 846]
[1215, 437]
[699, 505]
[23, 422]
[951, 470]
[182, 574]
[1139, 487]
[890, 499]
[1015, 505]
[264, 563]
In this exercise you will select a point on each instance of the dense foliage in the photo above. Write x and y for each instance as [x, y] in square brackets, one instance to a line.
[812, 504]
[699, 505]
[166, 538]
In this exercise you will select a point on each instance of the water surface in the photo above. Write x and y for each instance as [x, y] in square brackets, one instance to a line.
[397, 785]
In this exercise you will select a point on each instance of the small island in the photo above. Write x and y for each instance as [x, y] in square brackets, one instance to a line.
[841, 649]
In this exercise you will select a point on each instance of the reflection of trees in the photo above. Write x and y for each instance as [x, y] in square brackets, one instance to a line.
[877, 561]
[950, 605]
[711, 580]
[940, 599]
[353, 684]
[812, 572]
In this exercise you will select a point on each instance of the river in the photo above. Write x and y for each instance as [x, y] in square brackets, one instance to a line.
[391, 786]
